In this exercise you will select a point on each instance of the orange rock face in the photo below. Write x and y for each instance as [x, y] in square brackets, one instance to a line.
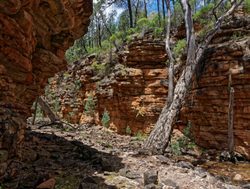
[207, 104]
[134, 90]
[34, 35]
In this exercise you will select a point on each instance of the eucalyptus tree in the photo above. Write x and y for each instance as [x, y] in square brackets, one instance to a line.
[159, 138]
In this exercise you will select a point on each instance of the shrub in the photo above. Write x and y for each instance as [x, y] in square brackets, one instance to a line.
[203, 13]
[179, 47]
[247, 6]
[142, 23]
[140, 135]
[105, 118]
[158, 31]
[90, 105]
[128, 130]
[98, 68]
[185, 142]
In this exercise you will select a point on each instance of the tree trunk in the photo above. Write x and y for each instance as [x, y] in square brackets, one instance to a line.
[45, 107]
[170, 55]
[159, 14]
[34, 116]
[145, 9]
[163, 10]
[231, 122]
[159, 138]
[136, 12]
[130, 14]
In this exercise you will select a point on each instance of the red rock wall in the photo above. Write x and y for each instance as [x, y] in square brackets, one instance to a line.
[34, 35]
[207, 104]
[137, 97]
[134, 95]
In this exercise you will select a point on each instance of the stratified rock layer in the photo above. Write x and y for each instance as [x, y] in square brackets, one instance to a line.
[134, 91]
[34, 34]
[207, 104]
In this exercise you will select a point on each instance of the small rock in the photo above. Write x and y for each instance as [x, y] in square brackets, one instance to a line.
[151, 186]
[246, 186]
[150, 177]
[48, 184]
[201, 172]
[163, 159]
[170, 184]
[129, 174]
[185, 164]
[237, 177]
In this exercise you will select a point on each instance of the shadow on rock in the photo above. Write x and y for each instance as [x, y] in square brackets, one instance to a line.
[70, 163]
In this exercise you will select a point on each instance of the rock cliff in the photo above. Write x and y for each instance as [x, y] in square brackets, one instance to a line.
[207, 103]
[34, 34]
[131, 90]
[134, 90]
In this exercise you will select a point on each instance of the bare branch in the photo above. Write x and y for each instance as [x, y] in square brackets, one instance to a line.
[214, 9]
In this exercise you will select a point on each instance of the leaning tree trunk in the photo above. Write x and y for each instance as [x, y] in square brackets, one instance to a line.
[158, 139]
[45, 107]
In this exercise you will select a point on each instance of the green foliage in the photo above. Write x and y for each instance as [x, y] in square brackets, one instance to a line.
[99, 68]
[247, 6]
[179, 47]
[183, 143]
[128, 130]
[71, 114]
[78, 84]
[143, 23]
[105, 118]
[177, 18]
[176, 148]
[56, 105]
[90, 105]
[140, 136]
[203, 14]
[158, 31]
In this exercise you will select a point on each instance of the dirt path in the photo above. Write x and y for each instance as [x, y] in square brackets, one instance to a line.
[97, 158]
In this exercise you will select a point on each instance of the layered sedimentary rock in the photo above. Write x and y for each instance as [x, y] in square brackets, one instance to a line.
[34, 35]
[207, 103]
[134, 90]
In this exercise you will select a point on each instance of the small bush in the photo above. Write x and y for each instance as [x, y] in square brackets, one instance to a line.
[90, 105]
[99, 68]
[140, 135]
[180, 47]
[247, 6]
[158, 31]
[128, 130]
[203, 13]
[183, 143]
[105, 118]
[142, 23]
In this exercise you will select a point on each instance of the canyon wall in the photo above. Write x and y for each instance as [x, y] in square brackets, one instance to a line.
[34, 35]
[208, 101]
[133, 89]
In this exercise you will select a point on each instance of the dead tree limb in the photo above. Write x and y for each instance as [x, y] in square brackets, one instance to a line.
[45, 107]
[158, 139]
[55, 120]
[34, 116]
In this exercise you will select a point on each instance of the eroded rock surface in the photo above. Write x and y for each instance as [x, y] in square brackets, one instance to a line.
[34, 34]
[134, 90]
[207, 104]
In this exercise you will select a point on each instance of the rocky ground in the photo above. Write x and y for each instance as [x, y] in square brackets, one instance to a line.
[97, 158]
